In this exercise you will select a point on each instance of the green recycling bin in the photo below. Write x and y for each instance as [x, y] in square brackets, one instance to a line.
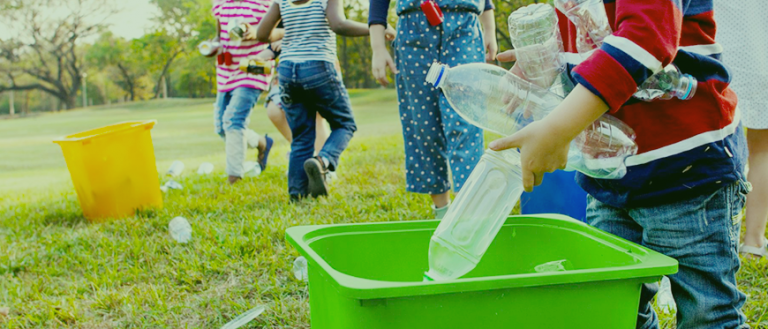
[369, 276]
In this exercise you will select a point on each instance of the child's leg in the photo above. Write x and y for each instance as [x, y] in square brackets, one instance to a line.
[332, 102]
[234, 122]
[702, 233]
[425, 145]
[277, 116]
[462, 43]
[757, 202]
[617, 221]
[321, 133]
[301, 119]
[222, 100]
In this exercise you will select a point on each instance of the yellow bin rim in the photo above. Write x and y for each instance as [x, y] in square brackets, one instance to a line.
[87, 136]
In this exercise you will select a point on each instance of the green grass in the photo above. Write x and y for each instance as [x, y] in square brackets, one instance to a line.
[59, 271]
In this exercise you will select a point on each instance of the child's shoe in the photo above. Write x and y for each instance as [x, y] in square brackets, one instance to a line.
[316, 172]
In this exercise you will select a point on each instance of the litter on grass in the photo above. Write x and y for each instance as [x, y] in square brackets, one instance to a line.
[205, 168]
[176, 168]
[244, 318]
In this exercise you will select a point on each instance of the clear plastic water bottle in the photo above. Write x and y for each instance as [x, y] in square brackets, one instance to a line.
[301, 269]
[491, 98]
[667, 84]
[176, 168]
[205, 168]
[180, 229]
[473, 220]
[664, 298]
[237, 29]
[590, 19]
[535, 35]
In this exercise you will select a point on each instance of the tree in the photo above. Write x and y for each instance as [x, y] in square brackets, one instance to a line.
[178, 25]
[44, 55]
[123, 55]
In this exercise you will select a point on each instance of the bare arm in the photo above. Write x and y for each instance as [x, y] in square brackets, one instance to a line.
[268, 23]
[339, 22]
[381, 58]
[489, 35]
[277, 34]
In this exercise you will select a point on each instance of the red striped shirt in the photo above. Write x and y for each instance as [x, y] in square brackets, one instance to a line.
[230, 77]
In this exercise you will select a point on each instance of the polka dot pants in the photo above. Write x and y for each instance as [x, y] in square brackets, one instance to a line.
[436, 138]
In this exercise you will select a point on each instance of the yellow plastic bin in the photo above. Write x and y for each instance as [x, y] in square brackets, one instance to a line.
[113, 169]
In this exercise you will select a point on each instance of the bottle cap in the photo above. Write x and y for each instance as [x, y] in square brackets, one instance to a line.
[436, 74]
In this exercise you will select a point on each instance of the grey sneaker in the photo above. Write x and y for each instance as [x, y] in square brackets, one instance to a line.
[316, 172]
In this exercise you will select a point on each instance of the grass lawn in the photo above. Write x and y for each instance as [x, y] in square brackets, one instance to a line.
[59, 271]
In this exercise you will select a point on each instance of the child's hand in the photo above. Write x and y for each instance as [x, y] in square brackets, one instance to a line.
[250, 33]
[390, 33]
[277, 45]
[381, 60]
[491, 48]
[542, 150]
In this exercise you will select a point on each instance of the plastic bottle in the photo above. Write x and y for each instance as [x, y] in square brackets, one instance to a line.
[667, 84]
[180, 230]
[494, 99]
[237, 29]
[535, 35]
[176, 168]
[664, 298]
[205, 168]
[209, 47]
[253, 66]
[472, 221]
[300, 269]
[491, 98]
[590, 19]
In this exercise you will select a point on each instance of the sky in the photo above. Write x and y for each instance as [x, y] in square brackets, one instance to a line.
[133, 19]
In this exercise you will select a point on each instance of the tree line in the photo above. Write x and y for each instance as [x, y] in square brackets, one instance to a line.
[63, 56]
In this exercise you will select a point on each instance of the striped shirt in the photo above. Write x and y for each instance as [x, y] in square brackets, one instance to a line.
[685, 148]
[308, 36]
[229, 77]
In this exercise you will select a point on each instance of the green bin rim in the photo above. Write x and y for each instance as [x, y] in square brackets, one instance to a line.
[650, 267]
[90, 134]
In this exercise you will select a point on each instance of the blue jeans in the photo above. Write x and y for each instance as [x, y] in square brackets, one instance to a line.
[311, 87]
[230, 119]
[702, 233]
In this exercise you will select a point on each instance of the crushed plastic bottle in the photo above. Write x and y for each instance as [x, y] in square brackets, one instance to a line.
[237, 29]
[667, 84]
[205, 168]
[171, 185]
[494, 99]
[590, 19]
[535, 35]
[301, 269]
[555, 266]
[244, 318]
[252, 169]
[180, 230]
[176, 168]
[664, 299]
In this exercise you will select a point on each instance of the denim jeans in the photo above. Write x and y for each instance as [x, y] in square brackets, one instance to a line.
[702, 233]
[311, 87]
[230, 118]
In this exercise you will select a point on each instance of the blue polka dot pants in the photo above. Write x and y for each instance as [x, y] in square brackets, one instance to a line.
[437, 140]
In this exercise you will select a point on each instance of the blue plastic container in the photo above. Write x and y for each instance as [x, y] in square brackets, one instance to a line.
[557, 194]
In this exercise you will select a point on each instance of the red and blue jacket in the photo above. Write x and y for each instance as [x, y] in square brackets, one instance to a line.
[685, 148]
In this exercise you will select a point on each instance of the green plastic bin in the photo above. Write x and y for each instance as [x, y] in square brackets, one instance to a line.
[368, 276]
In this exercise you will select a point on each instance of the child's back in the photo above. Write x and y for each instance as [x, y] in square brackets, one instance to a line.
[308, 35]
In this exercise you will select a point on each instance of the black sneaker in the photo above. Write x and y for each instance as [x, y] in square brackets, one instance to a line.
[316, 172]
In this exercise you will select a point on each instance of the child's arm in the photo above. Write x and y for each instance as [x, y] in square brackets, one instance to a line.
[381, 57]
[268, 22]
[647, 39]
[489, 32]
[544, 144]
[339, 22]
